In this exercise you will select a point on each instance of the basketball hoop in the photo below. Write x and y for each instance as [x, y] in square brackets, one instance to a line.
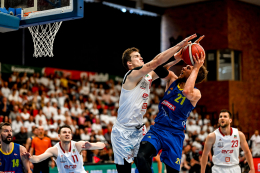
[43, 38]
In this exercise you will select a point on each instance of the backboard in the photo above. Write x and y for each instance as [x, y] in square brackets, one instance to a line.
[38, 12]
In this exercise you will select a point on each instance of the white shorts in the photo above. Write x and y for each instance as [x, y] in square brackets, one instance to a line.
[226, 169]
[126, 142]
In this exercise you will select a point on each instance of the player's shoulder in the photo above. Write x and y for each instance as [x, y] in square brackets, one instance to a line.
[241, 133]
[211, 137]
[22, 148]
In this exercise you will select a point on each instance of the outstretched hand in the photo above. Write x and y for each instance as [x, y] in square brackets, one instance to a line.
[199, 39]
[87, 145]
[178, 55]
[26, 155]
[187, 40]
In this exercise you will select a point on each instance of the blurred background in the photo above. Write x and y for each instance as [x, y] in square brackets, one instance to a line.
[80, 86]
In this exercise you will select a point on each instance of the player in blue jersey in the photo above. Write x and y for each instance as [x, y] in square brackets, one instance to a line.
[10, 153]
[179, 100]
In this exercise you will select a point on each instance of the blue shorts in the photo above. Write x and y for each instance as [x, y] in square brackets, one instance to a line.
[170, 141]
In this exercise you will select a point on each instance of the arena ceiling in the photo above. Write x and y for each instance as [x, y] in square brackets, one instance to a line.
[171, 3]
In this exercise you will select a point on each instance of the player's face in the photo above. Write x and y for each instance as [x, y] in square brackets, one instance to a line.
[6, 134]
[136, 60]
[224, 119]
[185, 72]
[65, 135]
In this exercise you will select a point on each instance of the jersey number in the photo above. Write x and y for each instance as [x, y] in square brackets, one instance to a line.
[234, 143]
[15, 163]
[74, 158]
[180, 97]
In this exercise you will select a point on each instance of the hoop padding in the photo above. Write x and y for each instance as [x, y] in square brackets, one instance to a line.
[43, 38]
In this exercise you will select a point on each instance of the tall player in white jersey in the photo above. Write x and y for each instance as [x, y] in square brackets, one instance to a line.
[129, 129]
[226, 142]
[67, 152]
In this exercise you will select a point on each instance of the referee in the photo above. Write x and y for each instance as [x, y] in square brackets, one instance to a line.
[39, 145]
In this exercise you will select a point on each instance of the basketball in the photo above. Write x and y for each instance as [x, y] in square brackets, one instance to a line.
[190, 50]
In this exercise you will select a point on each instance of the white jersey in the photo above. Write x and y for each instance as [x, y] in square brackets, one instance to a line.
[226, 148]
[71, 162]
[133, 103]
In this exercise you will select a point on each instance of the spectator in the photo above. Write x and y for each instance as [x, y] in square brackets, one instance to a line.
[52, 134]
[208, 128]
[64, 81]
[54, 109]
[195, 160]
[29, 124]
[100, 137]
[14, 96]
[44, 80]
[97, 126]
[64, 108]
[16, 125]
[59, 123]
[25, 115]
[74, 125]
[61, 99]
[106, 97]
[206, 120]
[197, 144]
[14, 113]
[24, 78]
[89, 103]
[85, 136]
[107, 156]
[23, 89]
[108, 134]
[68, 118]
[22, 136]
[47, 110]
[40, 117]
[255, 144]
[76, 136]
[4, 108]
[194, 114]
[5, 90]
[202, 136]
[184, 164]
[199, 121]
[59, 116]
[33, 110]
[94, 109]
[39, 145]
[75, 111]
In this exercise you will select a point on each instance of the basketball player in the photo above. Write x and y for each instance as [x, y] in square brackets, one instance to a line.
[226, 141]
[67, 152]
[128, 130]
[179, 100]
[10, 153]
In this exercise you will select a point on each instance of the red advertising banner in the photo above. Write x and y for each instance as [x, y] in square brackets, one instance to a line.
[74, 74]
[257, 164]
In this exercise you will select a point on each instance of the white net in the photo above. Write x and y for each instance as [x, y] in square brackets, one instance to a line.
[43, 38]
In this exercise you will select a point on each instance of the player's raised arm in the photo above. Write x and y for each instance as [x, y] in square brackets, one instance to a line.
[53, 151]
[158, 60]
[85, 145]
[189, 91]
[210, 140]
[26, 163]
[247, 152]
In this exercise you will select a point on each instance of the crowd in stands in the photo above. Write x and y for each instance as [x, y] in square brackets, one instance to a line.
[89, 108]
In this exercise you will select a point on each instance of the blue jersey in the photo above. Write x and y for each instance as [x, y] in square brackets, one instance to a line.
[11, 162]
[174, 108]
